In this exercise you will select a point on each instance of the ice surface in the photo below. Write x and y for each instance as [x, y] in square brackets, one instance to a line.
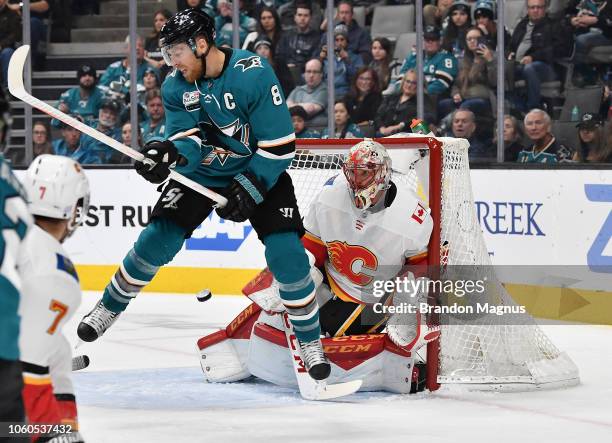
[144, 384]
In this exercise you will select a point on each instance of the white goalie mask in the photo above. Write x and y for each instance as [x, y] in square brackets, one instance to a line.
[57, 188]
[367, 169]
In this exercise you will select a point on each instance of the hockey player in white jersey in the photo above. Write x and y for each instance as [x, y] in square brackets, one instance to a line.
[362, 229]
[58, 194]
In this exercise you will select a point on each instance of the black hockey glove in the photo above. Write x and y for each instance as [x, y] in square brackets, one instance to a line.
[160, 157]
[243, 194]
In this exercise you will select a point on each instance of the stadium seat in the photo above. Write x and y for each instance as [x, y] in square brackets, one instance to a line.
[588, 99]
[391, 21]
[566, 133]
[403, 45]
[513, 13]
[600, 55]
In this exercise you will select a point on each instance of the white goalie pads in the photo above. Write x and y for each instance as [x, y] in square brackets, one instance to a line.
[263, 290]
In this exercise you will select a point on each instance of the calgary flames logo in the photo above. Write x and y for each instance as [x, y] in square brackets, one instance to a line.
[345, 258]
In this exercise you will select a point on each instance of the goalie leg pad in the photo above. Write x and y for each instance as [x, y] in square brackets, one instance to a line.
[223, 354]
[373, 358]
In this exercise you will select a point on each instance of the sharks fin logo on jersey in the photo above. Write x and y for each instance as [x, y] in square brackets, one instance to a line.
[191, 100]
[247, 63]
[214, 140]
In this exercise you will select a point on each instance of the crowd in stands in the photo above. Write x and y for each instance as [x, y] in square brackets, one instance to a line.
[375, 94]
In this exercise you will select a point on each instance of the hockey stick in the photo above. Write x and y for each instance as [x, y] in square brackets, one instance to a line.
[17, 88]
[311, 389]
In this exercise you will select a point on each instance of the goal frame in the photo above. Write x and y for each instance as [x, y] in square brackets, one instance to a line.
[435, 206]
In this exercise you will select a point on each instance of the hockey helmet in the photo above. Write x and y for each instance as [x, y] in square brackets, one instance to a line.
[184, 27]
[367, 169]
[57, 188]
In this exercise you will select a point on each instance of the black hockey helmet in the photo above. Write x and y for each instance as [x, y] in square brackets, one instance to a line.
[184, 27]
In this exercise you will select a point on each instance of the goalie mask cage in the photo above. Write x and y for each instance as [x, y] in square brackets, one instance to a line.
[480, 353]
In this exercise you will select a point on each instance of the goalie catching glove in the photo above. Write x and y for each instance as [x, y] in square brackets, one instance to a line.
[243, 194]
[410, 330]
[159, 158]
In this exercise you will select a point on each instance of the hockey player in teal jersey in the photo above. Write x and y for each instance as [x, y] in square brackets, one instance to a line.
[14, 222]
[246, 144]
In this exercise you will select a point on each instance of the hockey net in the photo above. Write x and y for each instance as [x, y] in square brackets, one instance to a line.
[477, 351]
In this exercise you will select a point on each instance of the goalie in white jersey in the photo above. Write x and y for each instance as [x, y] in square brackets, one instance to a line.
[58, 193]
[361, 229]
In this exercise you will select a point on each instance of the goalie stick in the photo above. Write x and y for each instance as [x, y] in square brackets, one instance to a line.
[311, 389]
[17, 88]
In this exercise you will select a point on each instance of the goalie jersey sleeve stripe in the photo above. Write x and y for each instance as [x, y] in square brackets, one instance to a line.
[316, 247]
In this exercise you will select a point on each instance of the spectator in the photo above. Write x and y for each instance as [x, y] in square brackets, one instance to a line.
[477, 74]
[435, 15]
[299, 46]
[345, 128]
[224, 26]
[347, 63]
[464, 126]
[155, 126]
[358, 38]
[39, 13]
[484, 18]
[83, 100]
[594, 145]
[381, 61]
[70, 143]
[439, 67]
[513, 136]
[313, 95]
[287, 10]
[153, 54]
[364, 97]
[95, 151]
[119, 71]
[545, 148]
[263, 47]
[41, 139]
[126, 139]
[397, 110]
[592, 22]
[10, 34]
[453, 39]
[150, 80]
[536, 41]
[210, 7]
[268, 27]
[298, 117]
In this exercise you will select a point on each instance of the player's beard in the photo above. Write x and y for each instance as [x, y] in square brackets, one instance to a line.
[198, 71]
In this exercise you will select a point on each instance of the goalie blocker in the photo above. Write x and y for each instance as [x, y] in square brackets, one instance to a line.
[254, 343]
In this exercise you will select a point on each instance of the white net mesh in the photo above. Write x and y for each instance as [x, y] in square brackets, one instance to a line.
[478, 351]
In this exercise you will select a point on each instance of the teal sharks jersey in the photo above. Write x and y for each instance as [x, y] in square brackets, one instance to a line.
[14, 222]
[243, 118]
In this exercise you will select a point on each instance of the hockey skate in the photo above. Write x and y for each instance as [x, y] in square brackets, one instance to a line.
[95, 324]
[316, 363]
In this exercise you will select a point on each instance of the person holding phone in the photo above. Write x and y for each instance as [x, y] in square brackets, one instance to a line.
[477, 75]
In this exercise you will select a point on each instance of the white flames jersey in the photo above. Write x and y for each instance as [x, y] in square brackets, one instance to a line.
[364, 247]
[50, 295]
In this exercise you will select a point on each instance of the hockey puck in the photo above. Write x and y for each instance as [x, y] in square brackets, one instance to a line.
[204, 295]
